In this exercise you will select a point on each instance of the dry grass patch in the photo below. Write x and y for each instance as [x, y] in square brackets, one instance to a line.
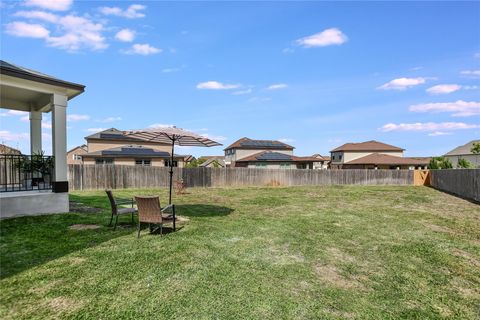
[64, 305]
[331, 275]
[84, 227]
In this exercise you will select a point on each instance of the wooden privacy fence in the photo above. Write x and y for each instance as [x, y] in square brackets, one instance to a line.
[85, 177]
[461, 182]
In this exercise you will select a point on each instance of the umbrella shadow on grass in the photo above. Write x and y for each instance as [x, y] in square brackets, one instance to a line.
[202, 210]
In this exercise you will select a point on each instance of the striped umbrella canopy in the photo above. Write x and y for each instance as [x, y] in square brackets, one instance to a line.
[179, 136]
[173, 136]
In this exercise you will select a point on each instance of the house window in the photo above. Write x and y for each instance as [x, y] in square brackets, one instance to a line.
[340, 157]
[104, 161]
[284, 165]
[77, 157]
[143, 162]
[167, 163]
[260, 165]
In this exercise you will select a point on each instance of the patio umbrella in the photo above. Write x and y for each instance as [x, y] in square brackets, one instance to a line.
[174, 136]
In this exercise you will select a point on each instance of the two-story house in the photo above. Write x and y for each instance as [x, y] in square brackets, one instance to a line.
[111, 146]
[269, 154]
[373, 155]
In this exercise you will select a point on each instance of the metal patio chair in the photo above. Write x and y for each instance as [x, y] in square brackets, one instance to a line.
[118, 211]
[149, 211]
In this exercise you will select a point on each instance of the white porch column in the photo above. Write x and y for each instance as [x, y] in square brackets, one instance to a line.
[35, 132]
[59, 142]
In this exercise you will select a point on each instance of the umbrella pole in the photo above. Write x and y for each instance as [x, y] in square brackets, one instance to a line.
[171, 172]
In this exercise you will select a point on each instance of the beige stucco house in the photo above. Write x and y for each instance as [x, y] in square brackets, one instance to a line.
[246, 147]
[267, 154]
[321, 162]
[74, 156]
[213, 162]
[111, 146]
[373, 155]
[464, 152]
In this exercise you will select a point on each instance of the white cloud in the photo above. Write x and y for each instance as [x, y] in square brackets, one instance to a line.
[160, 125]
[55, 5]
[444, 88]
[177, 69]
[142, 49]
[72, 32]
[28, 30]
[77, 117]
[259, 99]
[471, 73]
[46, 124]
[109, 119]
[428, 126]
[94, 130]
[328, 37]
[288, 50]
[277, 86]
[40, 15]
[402, 83]
[125, 35]
[15, 113]
[213, 137]
[215, 85]
[439, 133]
[79, 32]
[11, 136]
[286, 140]
[240, 92]
[131, 12]
[458, 108]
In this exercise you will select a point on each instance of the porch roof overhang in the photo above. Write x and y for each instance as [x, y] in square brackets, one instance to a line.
[27, 90]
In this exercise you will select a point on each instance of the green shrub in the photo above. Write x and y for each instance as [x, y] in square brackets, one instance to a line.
[463, 163]
[440, 163]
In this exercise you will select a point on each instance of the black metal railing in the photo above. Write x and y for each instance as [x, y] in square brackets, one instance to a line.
[25, 172]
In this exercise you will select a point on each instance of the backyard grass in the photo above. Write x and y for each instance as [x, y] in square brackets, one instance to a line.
[252, 253]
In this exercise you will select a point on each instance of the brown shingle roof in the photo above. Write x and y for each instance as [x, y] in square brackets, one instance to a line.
[247, 143]
[367, 146]
[463, 150]
[318, 156]
[379, 158]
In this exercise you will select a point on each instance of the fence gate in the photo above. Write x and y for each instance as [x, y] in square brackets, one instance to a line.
[421, 178]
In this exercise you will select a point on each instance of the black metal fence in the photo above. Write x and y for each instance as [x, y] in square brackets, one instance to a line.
[25, 172]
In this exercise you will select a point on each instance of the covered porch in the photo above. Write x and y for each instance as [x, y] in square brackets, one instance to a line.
[35, 183]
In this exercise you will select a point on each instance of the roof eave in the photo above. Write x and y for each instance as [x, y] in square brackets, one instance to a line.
[47, 80]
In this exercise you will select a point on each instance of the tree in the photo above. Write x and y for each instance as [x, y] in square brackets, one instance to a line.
[193, 163]
[463, 163]
[476, 148]
[440, 163]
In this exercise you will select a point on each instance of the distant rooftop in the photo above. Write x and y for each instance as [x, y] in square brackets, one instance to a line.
[463, 150]
[247, 143]
[111, 134]
[367, 146]
[385, 159]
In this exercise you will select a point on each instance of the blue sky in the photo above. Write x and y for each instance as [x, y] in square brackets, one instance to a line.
[315, 75]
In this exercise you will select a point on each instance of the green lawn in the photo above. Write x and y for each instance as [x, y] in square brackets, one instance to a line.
[252, 253]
